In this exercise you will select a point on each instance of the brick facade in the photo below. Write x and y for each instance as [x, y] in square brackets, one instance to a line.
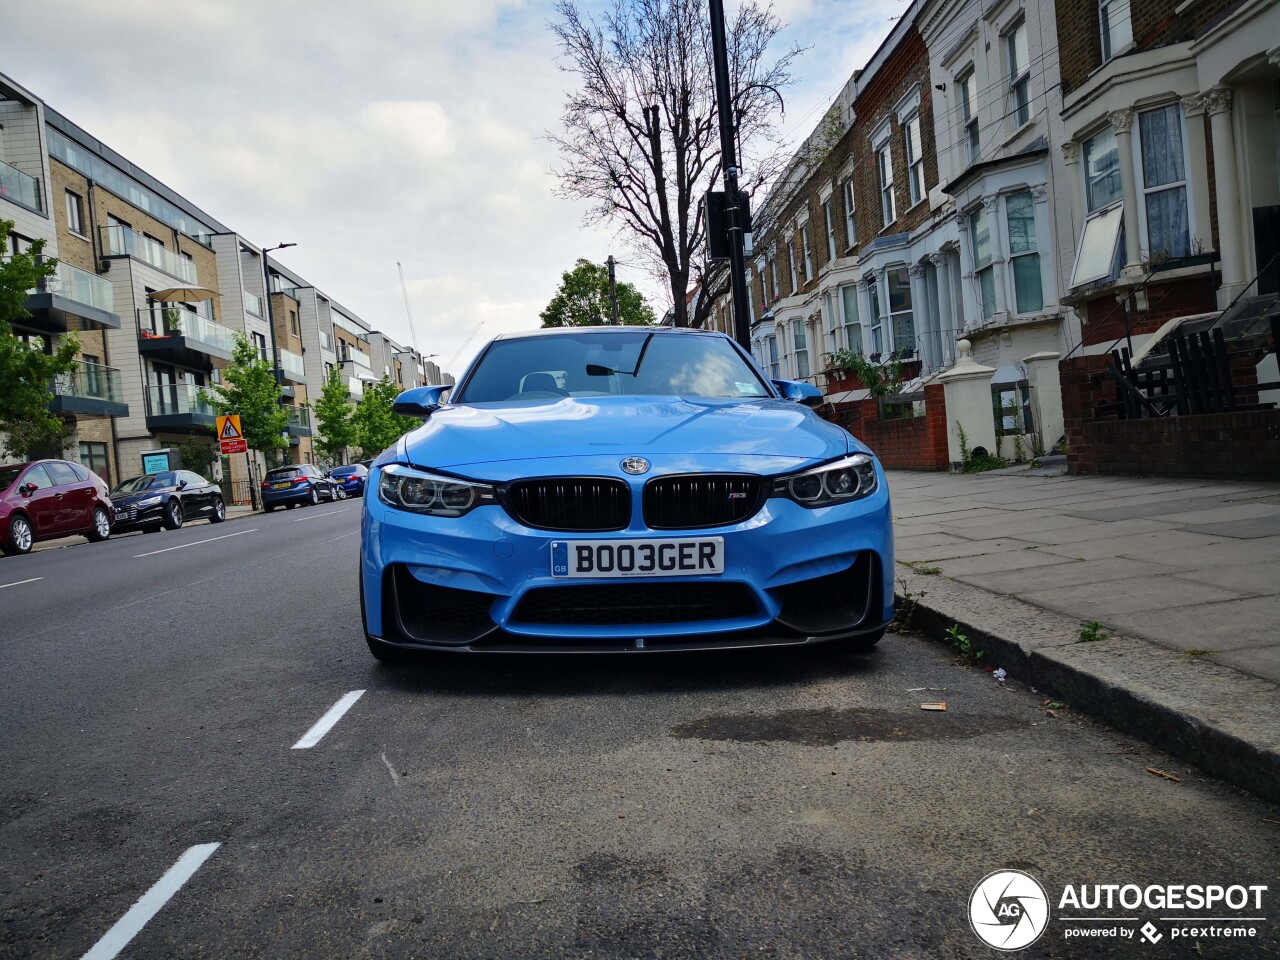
[1104, 319]
[906, 67]
[1156, 23]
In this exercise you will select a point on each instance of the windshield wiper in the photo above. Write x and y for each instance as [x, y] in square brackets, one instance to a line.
[595, 370]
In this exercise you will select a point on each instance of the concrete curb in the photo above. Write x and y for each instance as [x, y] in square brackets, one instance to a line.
[1222, 720]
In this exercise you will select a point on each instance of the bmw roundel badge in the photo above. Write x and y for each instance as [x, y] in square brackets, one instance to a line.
[635, 465]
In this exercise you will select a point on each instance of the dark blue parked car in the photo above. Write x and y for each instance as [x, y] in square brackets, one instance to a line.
[298, 484]
[350, 479]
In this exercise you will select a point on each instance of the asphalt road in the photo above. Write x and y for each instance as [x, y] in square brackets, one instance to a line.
[780, 804]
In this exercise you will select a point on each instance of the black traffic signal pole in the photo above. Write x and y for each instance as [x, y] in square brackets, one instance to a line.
[729, 163]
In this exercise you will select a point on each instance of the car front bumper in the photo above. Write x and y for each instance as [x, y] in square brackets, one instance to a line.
[792, 576]
[131, 518]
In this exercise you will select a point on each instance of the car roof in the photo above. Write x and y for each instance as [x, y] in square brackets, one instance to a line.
[620, 328]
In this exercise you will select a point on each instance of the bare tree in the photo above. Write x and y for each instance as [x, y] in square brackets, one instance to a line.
[641, 137]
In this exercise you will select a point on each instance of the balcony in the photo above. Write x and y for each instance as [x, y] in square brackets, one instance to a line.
[291, 367]
[89, 389]
[73, 300]
[252, 304]
[178, 408]
[355, 387]
[299, 421]
[20, 188]
[182, 337]
[120, 241]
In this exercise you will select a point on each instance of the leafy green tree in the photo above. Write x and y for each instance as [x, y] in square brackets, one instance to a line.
[197, 456]
[377, 425]
[335, 426]
[27, 427]
[249, 389]
[583, 300]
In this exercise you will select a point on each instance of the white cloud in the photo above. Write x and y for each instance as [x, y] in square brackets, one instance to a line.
[410, 130]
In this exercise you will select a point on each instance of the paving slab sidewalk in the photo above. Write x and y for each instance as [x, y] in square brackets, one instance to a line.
[1182, 575]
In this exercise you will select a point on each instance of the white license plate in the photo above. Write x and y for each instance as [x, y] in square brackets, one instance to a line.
[684, 557]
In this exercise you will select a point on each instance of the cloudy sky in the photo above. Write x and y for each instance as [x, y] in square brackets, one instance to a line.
[371, 131]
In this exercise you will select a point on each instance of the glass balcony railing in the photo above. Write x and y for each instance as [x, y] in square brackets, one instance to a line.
[177, 399]
[252, 304]
[85, 287]
[291, 364]
[299, 417]
[120, 241]
[360, 364]
[21, 188]
[326, 341]
[160, 322]
[91, 381]
[355, 387]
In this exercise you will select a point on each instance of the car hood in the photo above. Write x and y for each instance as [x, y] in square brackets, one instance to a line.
[470, 435]
[129, 499]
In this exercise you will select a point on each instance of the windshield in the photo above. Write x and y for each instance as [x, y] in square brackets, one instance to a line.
[8, 475]
[625, 363]
[138, 484]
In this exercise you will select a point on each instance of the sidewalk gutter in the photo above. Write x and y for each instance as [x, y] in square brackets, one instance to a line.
[1225, 722]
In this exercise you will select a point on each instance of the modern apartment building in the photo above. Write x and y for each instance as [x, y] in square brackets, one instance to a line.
[156, 290]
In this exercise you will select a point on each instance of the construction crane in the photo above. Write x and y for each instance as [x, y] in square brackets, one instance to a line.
[462, 346]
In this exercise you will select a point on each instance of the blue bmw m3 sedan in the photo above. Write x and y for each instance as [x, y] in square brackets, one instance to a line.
[622, 489]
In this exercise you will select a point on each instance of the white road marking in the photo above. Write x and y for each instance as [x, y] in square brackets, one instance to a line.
[150, 903]
[317, 516]
[343, 537]
[195, 543]
[19, 583]
[395, 777]
[325, 723]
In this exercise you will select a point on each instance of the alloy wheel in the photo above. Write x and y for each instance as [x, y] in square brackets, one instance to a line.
[102, 523]
[20, 534]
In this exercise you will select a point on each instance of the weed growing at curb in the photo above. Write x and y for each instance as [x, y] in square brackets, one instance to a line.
[919, 567]
[1196, 653]
[962, 645]
[904, 612]
[1091, 631]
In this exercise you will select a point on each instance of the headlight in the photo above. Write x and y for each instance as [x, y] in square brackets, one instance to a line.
[849, 479]
[408, 489]
[148, 502]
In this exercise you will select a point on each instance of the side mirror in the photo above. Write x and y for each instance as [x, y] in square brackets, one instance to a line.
[27, 489]
[420, 401]
[182, 484]
[798, 391]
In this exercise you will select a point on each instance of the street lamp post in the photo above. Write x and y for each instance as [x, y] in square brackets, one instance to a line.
[733, 199]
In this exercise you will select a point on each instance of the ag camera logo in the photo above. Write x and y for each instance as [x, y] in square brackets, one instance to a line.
[1008, 910]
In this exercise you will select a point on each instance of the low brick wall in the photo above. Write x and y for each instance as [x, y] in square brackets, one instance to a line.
[1244, 446]
[918, 443]
[1241, 445]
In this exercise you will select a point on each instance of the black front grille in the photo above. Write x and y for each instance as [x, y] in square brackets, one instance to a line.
[570, 503]
[620, 604]
[691, 501]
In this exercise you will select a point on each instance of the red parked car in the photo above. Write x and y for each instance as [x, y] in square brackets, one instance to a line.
[46, 499]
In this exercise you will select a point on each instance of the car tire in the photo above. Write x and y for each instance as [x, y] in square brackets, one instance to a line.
[219, 510]
[315, 495]
[268, 508]
[341, 494]
[173, 514]
[291, 506]
[20, 536]
[101, 526]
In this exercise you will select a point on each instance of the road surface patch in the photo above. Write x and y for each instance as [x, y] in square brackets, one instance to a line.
[194, 543]
[150, 903]
[325, 723]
